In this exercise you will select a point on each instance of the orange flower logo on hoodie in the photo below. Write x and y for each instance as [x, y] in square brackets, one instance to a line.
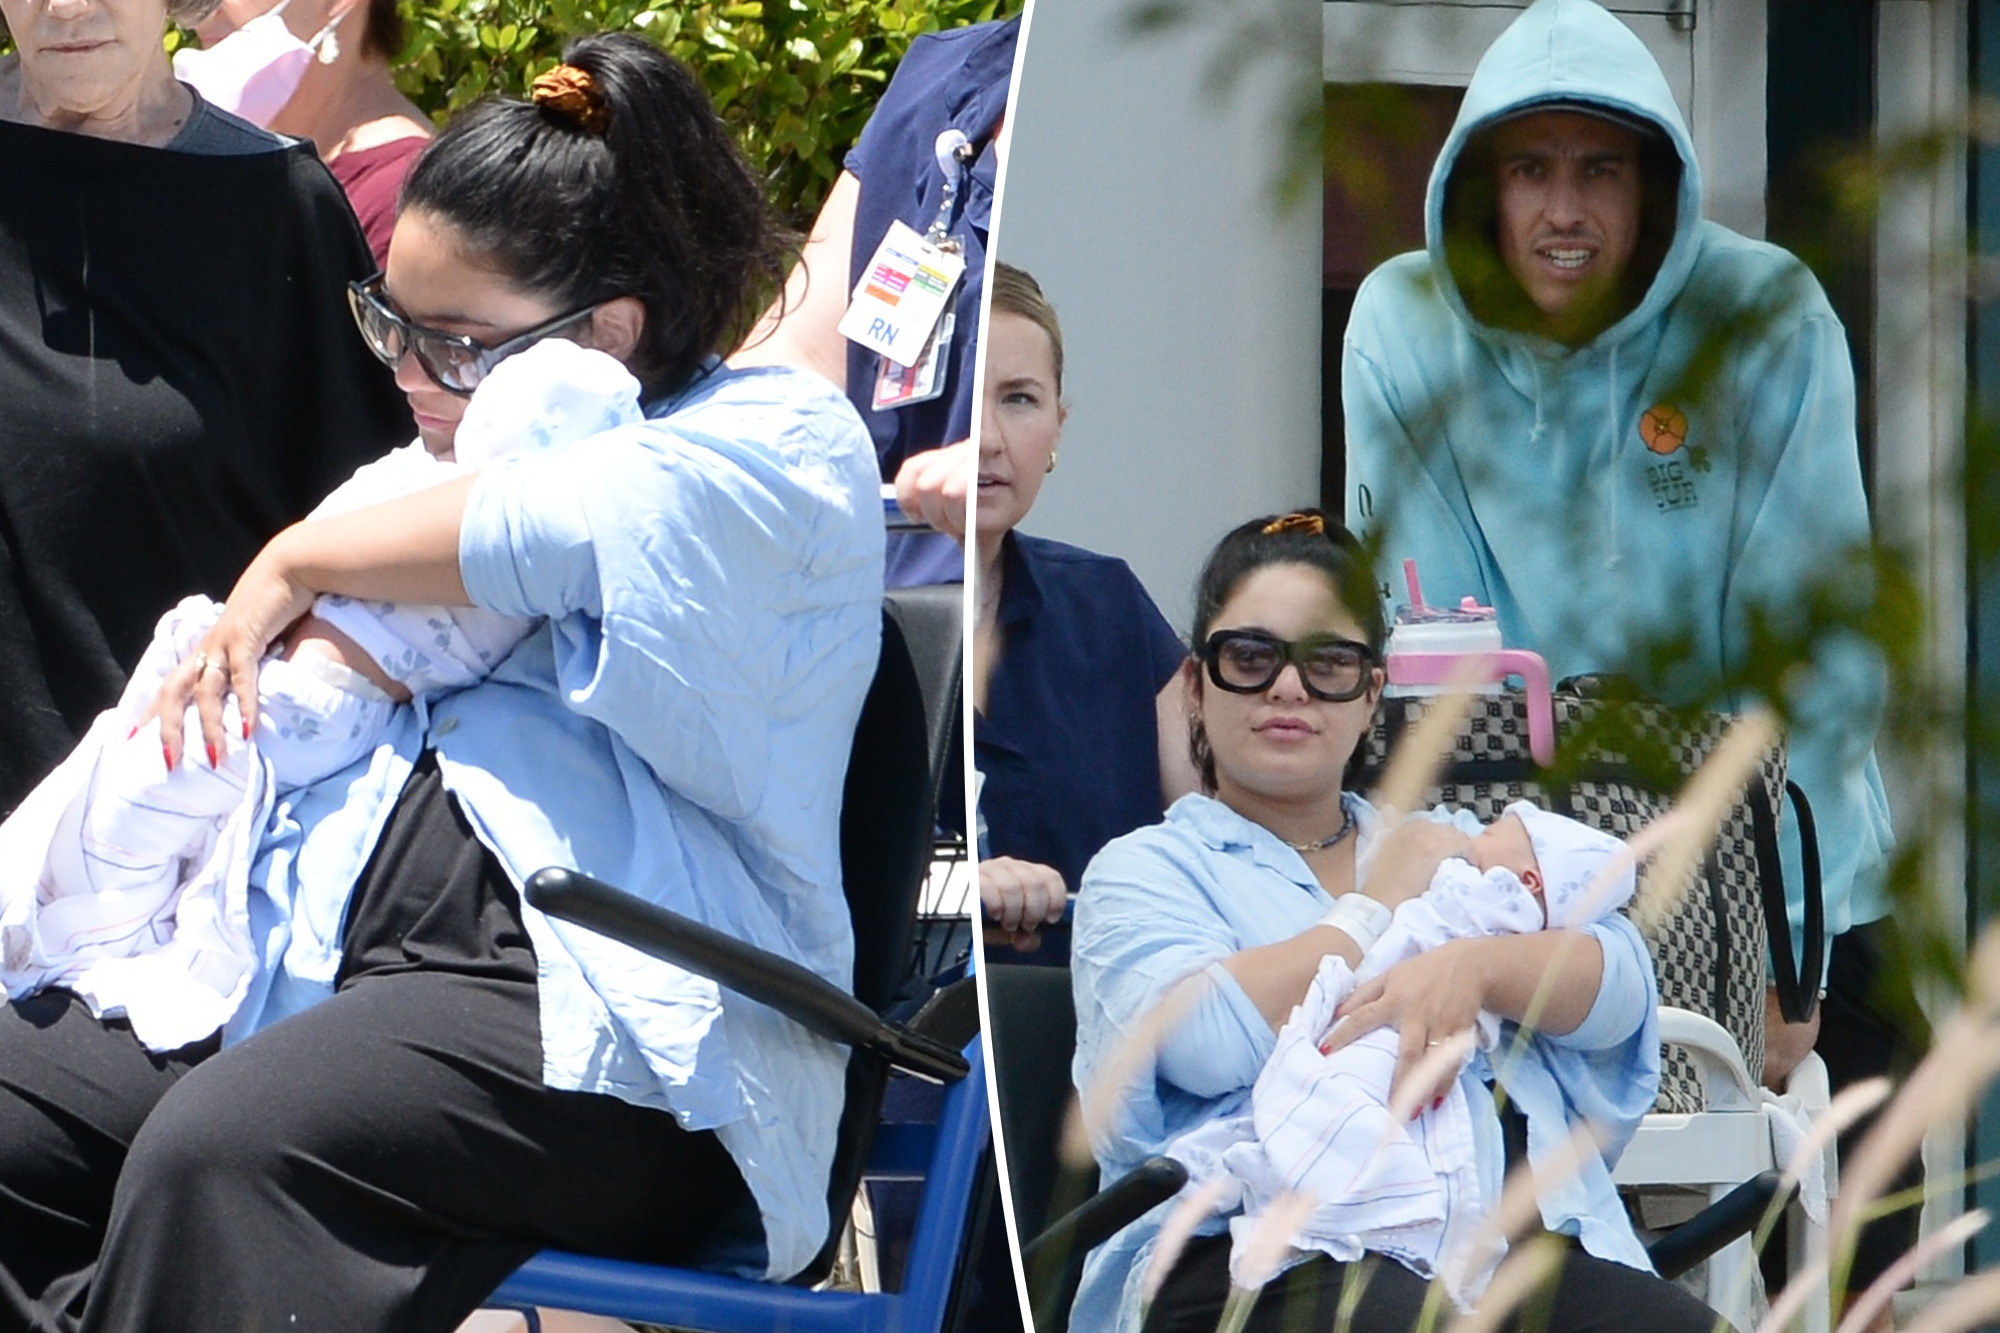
[1664, 428]
[1671, 479]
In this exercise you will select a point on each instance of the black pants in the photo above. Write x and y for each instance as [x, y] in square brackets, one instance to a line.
[379, 1162]
[1590, 1296]
[1869, 1025]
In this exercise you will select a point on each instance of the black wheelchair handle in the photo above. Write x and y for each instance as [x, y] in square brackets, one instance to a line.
[794, 991]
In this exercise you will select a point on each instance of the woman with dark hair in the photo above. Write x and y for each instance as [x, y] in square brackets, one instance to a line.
[1248, 886]
[429, 1081]
[323, 75]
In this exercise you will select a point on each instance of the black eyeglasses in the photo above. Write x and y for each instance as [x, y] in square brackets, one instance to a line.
[456, 362]
[1247, 661]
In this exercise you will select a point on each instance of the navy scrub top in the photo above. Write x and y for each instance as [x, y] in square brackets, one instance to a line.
[1069, 741]
[954, 79]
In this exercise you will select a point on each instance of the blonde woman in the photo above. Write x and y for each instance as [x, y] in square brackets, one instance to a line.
[1077, 736]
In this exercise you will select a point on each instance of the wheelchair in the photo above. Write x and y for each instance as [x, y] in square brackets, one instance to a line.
[895, 772]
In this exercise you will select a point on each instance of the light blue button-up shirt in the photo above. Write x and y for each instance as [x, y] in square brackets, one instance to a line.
[711, 582]
[1174, 900]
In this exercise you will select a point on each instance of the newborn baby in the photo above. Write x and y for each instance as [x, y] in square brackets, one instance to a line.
[122, 877]
[1320, 1124]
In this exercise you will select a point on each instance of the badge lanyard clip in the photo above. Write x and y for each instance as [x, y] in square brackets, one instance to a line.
[954, 158]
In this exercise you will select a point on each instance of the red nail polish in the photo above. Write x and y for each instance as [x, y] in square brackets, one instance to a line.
[211, 755]
[246, 728]
[169, 756]
[1438, 1104]
[130, 734]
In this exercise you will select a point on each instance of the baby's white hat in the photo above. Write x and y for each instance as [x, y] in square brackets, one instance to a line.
[553, 393]
[1572, 857]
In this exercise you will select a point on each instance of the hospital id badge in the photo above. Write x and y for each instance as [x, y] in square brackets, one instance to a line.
[905, 386]
[902, 295]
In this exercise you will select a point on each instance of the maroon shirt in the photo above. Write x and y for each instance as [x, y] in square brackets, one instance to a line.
[372, 178]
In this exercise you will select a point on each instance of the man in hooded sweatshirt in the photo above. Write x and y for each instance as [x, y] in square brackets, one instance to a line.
[1632, 431]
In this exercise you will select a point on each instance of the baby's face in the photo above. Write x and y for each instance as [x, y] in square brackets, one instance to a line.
[1504, 845]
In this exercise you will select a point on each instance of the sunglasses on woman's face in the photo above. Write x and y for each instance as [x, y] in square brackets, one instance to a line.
[1248, 661]
[456, 363]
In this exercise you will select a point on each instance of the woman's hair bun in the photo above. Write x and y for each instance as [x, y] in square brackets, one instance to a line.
[573, 95]
[1309, 521]
[614, 177]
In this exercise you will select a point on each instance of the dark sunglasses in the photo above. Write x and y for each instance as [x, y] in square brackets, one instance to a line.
[1248, 661]
[456, 362]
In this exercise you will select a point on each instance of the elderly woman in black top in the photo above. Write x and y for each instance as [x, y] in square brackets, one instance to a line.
[180, 374]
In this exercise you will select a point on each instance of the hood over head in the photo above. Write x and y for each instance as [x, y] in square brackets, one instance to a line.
[1562, 55]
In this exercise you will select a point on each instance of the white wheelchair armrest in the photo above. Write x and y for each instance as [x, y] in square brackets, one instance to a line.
[1718, 1060]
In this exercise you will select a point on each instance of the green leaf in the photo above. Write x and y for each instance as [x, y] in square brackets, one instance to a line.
[795, 79]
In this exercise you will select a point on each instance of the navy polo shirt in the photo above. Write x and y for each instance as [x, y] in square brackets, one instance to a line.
[1069, 741]
[955, 79]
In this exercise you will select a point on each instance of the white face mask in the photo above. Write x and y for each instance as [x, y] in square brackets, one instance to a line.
[254, 71]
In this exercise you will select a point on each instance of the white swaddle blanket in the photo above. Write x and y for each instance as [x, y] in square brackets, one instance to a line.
[1319, 1125]
[127, 883]
[175, 962]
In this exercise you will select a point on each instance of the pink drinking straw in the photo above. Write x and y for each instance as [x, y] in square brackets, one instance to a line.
[1441, 669]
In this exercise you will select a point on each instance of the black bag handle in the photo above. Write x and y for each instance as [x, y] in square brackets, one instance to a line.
[1798, 981]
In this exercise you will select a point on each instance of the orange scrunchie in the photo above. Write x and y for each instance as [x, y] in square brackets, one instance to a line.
[573, 94]
[1305, 521]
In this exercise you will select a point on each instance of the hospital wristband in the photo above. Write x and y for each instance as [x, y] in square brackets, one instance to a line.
[1360, 917]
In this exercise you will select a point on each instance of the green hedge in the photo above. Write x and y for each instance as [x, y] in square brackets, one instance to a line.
[795, 79]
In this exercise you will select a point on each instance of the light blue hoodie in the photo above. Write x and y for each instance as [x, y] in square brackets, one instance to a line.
[1518, 470]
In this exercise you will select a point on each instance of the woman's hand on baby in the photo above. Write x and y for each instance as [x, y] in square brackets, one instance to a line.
[263, 603]
[1019, 898]
[1427, 999]
[1408, 856]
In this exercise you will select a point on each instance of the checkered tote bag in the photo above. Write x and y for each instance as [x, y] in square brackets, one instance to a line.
[1617, 767]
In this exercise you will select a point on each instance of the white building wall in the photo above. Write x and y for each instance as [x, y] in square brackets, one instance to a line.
[1143, 202]
[1920, 384]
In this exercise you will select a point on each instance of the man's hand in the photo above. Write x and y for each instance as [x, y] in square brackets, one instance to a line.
[1019, 898]
[1785, 1044]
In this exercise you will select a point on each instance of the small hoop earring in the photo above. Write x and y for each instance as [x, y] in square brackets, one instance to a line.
[1200, 752]
[1052, 463]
